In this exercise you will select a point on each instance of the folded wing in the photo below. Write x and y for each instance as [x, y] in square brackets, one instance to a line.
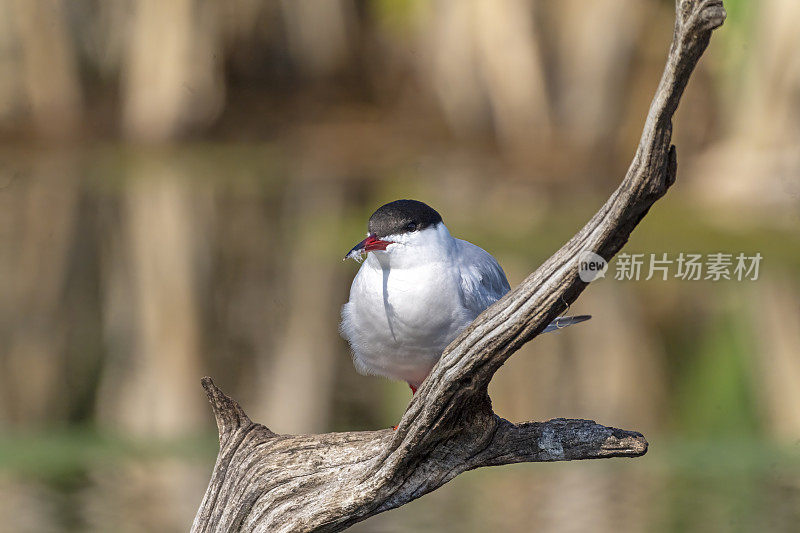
[483, 282]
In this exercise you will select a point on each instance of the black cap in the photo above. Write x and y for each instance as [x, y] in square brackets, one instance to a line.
[402, 216]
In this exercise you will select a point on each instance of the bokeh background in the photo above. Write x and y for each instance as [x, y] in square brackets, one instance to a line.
[180, 179]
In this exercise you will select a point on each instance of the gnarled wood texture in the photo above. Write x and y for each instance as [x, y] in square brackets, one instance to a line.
[268, 482]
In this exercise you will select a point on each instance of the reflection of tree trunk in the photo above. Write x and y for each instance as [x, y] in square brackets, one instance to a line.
[246, 286]
[592, 370]
[298, 388]
[605, 368]
[619, 375]
[170, 82]
[154, 390]
[150, 495]
[775, 319]
[578, 499]
[49, 69]
[25, 505]
[42, 217]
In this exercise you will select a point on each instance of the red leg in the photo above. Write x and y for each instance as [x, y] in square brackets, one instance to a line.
[413, 391]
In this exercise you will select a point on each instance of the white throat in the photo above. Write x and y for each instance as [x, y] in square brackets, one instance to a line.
[431, 245]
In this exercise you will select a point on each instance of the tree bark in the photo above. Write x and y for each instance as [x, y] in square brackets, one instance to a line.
[268, 482]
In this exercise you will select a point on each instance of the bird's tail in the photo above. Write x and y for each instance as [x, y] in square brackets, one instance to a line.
[564, 321]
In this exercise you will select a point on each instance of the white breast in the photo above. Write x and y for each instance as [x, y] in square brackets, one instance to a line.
[399, 320]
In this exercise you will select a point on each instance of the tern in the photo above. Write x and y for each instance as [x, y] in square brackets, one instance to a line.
[417, 289]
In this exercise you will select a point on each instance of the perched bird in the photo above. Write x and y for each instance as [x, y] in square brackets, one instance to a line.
[417, 289]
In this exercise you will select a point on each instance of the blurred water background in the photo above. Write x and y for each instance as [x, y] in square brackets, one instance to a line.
[179, 181]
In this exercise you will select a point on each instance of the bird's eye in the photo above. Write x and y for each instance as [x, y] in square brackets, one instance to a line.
[411, 226]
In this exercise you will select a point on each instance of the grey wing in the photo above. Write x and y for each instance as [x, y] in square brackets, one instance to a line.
[483, 281]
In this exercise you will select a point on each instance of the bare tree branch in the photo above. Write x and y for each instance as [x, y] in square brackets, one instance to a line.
[268, 482]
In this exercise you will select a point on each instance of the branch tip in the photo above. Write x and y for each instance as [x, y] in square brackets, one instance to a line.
[700, 15]
[228, 413]
[623, 443]
[713, 14]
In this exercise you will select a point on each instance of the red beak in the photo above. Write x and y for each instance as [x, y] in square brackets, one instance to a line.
[370, 244]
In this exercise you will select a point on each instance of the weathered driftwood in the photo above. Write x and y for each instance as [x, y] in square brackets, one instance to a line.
[268, 482]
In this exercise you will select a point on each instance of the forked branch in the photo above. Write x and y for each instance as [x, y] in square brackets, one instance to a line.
[268, 482]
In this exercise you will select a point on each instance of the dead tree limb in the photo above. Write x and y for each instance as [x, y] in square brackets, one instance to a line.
[268, 482]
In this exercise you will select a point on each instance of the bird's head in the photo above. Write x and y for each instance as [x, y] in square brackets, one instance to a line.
[401, 230]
